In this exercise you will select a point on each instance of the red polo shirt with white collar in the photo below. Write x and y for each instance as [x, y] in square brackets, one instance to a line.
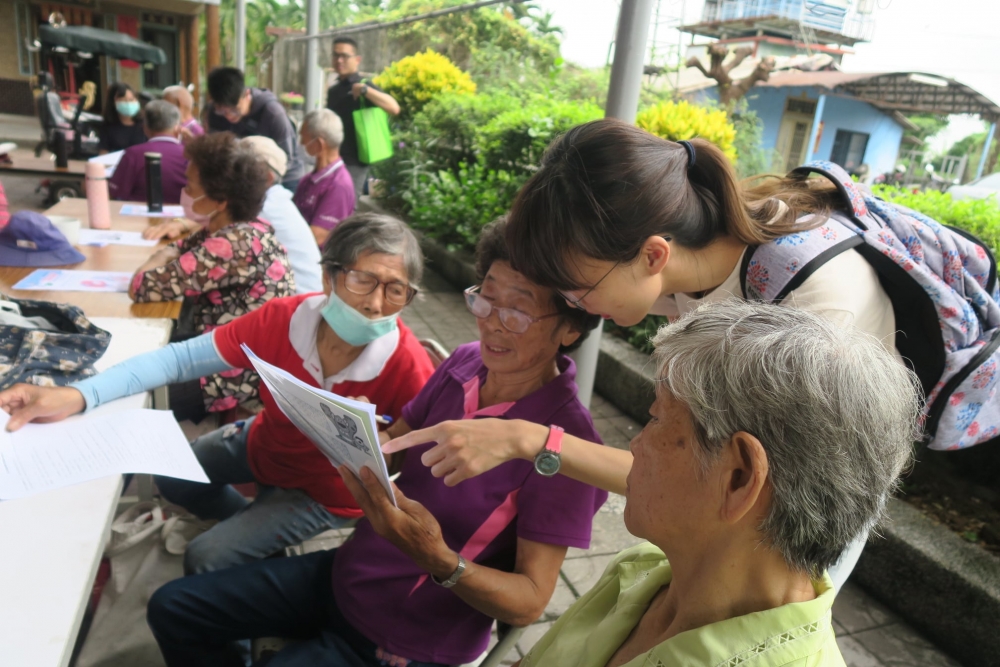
[389, 372]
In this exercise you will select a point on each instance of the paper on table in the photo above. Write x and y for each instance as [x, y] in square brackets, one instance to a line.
[40, 457]
[109, 160]
[143, 210]
[343, 429]
[110, 236]
[64, 280]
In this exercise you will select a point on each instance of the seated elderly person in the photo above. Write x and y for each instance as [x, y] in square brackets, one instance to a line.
[421, 584]
[348, 340]
[232, 265]
[326, 196]
[162, 128]
[776, 437]
[279, 211]
[184, 101]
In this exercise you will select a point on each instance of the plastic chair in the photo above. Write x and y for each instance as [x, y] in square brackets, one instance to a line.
[435, 350]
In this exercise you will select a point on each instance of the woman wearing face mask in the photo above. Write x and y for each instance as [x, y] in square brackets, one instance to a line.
[122, 125]
[348, 340]
[326, 196]
[231, 265]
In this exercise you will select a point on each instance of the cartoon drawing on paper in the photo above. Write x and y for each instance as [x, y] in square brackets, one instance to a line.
[347, 429]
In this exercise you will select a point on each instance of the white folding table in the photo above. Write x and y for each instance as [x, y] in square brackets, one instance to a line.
[52, 542]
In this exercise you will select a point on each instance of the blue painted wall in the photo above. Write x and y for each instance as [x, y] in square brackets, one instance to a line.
[840, 113]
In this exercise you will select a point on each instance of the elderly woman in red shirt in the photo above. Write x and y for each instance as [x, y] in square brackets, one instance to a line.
[347, 339]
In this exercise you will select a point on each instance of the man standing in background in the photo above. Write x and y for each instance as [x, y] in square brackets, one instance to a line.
[344, 98]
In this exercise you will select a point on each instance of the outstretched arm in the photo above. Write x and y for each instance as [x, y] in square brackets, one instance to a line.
[471, 447]
[177, 362]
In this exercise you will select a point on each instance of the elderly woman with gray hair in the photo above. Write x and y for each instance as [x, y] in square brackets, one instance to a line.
[326, 196]
[348, 340]
[776, 437]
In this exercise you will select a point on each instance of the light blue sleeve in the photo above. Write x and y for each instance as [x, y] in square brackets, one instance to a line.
[177, 362]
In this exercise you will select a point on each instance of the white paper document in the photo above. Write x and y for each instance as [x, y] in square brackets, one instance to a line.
[171, 211]
[40, 457]
[68, 280]
[102, 237]
[109, 160]
[343, 429]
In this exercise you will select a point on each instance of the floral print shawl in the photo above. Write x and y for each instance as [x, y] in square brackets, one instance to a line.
[223, 275]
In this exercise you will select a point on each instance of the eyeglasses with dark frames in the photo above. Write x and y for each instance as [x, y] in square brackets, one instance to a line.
[576, 303]
[364, 283]
[515, 321]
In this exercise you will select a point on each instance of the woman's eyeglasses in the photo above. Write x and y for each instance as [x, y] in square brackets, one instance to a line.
[512, 319]
[576, 303]
[363, 283]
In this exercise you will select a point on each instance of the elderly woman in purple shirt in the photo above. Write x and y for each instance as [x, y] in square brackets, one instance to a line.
[326, 196]
[420, 584]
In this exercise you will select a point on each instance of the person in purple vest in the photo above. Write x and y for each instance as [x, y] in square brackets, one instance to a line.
[326, 196]
[421, 584]
[162, 127]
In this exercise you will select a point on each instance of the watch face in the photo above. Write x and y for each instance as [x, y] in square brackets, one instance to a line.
[547, 463]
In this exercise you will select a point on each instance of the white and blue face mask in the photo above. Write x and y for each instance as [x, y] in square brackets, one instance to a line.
[351, 326]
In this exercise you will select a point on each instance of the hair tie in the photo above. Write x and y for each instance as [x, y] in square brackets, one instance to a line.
[692, 158]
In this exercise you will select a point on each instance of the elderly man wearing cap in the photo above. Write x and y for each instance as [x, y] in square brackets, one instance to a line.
[279, 211]
[162, 127]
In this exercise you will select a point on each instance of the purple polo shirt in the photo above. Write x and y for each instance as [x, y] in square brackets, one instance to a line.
[390, 600]
[128, 183]
[326, 197]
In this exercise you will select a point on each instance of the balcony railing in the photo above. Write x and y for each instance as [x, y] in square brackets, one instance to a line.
[828, 16]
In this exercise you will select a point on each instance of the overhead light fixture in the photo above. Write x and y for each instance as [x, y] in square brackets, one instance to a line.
[929, 80]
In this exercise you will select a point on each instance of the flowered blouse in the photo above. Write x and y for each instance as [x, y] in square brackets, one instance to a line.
[222, 275]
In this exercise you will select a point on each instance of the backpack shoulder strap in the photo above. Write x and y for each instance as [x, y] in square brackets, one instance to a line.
[770, 272]
[848, 189]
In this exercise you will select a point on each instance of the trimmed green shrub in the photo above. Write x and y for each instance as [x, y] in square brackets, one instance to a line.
[453, 208]
[516, 139]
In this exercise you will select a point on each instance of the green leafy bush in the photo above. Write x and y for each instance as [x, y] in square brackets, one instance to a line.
[453, 208]
[980, 217]
[449, 126]
[516, 139]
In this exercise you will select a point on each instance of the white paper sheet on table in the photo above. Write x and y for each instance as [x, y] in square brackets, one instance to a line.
[67, 280]
[40, 457]
[171, 211]
[103, 237]
[343, 429]
[109, 160]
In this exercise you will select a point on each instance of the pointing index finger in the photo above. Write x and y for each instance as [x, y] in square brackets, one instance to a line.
[411, 439]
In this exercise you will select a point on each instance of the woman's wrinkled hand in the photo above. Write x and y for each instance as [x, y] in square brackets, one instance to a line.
[470, 447]
[410, 527]
[170, 230]
[28, 403]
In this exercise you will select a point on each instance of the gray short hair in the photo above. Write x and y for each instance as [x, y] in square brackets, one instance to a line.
[836, 413]
[371, 232]
[161, 116]
[326, 125]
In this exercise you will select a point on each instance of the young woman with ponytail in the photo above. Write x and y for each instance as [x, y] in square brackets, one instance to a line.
[625, 224]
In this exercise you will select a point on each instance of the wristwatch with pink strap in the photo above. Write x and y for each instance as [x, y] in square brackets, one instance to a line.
[548, 461]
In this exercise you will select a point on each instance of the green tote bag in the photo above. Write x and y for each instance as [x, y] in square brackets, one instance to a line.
[371, 124]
